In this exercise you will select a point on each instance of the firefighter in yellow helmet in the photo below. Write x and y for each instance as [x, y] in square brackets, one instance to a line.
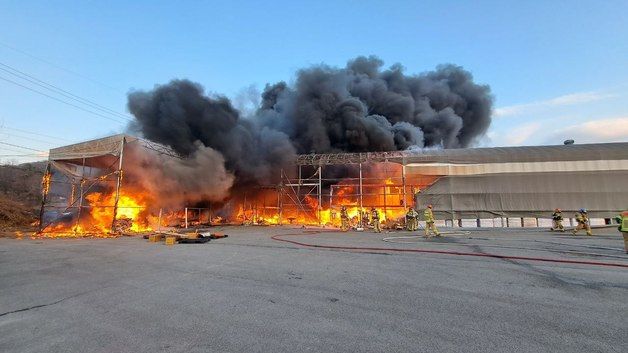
[411, 219]
[344, 219]
[622, 219]
[583, 222]
[375, 220]
[429, 222]
[557, 219]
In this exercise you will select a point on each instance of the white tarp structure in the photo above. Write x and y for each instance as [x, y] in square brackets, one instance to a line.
[524, 181]
[77, 169]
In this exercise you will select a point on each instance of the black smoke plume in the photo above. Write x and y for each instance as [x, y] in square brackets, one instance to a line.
[181, 116]
[359, 108]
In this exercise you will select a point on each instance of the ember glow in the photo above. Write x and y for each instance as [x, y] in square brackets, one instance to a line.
[97, 216]
[145, 204]
[382, 188]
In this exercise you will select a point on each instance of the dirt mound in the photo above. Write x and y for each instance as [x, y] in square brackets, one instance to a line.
[15, 214]
[20, 194]
[22, 182]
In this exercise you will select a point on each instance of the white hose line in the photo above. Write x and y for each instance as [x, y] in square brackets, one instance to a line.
[392, 239]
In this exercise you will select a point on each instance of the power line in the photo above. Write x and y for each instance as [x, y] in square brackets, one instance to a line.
[23, 155]
[35, 133]
[24, 76]
[58, 67]
[8, 149]
[64, 93]
[62, 101]
[3, 148]
[30, 138]
[27, 137]
[24, 147]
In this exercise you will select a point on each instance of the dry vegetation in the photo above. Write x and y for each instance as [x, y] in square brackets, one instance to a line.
[20, 195]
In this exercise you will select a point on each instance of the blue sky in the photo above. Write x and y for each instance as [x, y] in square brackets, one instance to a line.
[557, 69]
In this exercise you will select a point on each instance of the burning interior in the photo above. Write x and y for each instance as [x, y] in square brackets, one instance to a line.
[82, 190]
[333, 137]
[108, 187]
[124, 184]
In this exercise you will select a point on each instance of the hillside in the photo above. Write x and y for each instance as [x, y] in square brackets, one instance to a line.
[20, 193]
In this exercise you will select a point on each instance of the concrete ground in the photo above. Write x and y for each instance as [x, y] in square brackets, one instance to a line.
[250, 293]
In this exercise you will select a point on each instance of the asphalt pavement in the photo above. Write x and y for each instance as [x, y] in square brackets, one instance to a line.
[251, 293]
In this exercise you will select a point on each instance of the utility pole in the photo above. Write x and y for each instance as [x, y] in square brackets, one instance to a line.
[360, 221]
[320, 195]
[118, 184]
[45, 188]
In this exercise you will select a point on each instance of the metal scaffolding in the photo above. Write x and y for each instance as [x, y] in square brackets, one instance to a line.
[353, 158]
[371, 181]
[374, 179]
[76, 170]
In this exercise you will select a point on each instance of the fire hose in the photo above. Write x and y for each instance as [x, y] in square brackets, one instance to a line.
[278, 237]
[395, 240]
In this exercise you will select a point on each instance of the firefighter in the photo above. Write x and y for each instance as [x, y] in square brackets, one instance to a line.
[583, 222]
[429, 222]
[622, 219]
[375, 220]
[411, 221]
[365, 218]
[344, 219]
[557, 218]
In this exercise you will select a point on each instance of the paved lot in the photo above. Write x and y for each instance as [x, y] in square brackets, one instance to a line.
[249, 293]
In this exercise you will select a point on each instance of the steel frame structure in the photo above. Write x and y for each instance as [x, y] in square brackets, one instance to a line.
[292, 192]
[314, 159]
[76, 164]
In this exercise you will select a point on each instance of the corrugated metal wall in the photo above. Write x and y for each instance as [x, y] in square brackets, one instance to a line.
[602, 193]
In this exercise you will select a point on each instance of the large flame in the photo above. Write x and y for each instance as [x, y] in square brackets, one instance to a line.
[130, 207]
[96, 217]
[385, 195]
[137, 210]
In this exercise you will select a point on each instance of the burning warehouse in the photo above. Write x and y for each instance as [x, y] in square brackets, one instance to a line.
[503, 186]
[119, 183]
[359, 137]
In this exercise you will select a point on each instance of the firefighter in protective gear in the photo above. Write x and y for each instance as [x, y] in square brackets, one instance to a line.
[411, 219]
[557, 218]
[429, 222]
[583, 222]
[375, 220]
[344, 219]
[622, 219]
[365, 218]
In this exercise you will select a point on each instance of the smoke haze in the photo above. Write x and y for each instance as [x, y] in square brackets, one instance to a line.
[359, 108]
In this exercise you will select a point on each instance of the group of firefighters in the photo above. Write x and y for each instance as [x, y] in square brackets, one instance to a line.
[412, 220]
[582, 218]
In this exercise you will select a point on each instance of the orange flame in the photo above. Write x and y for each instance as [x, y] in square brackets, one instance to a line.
[97, 216]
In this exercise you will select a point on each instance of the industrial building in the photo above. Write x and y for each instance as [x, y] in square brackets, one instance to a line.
[529, 181]
[496, 187]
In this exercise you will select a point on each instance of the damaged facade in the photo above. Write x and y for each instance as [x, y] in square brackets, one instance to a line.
[462, 184]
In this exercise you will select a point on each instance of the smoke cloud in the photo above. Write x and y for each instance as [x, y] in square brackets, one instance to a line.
[181, 116]
[359, 108]
[200, 177]
[363, 108]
